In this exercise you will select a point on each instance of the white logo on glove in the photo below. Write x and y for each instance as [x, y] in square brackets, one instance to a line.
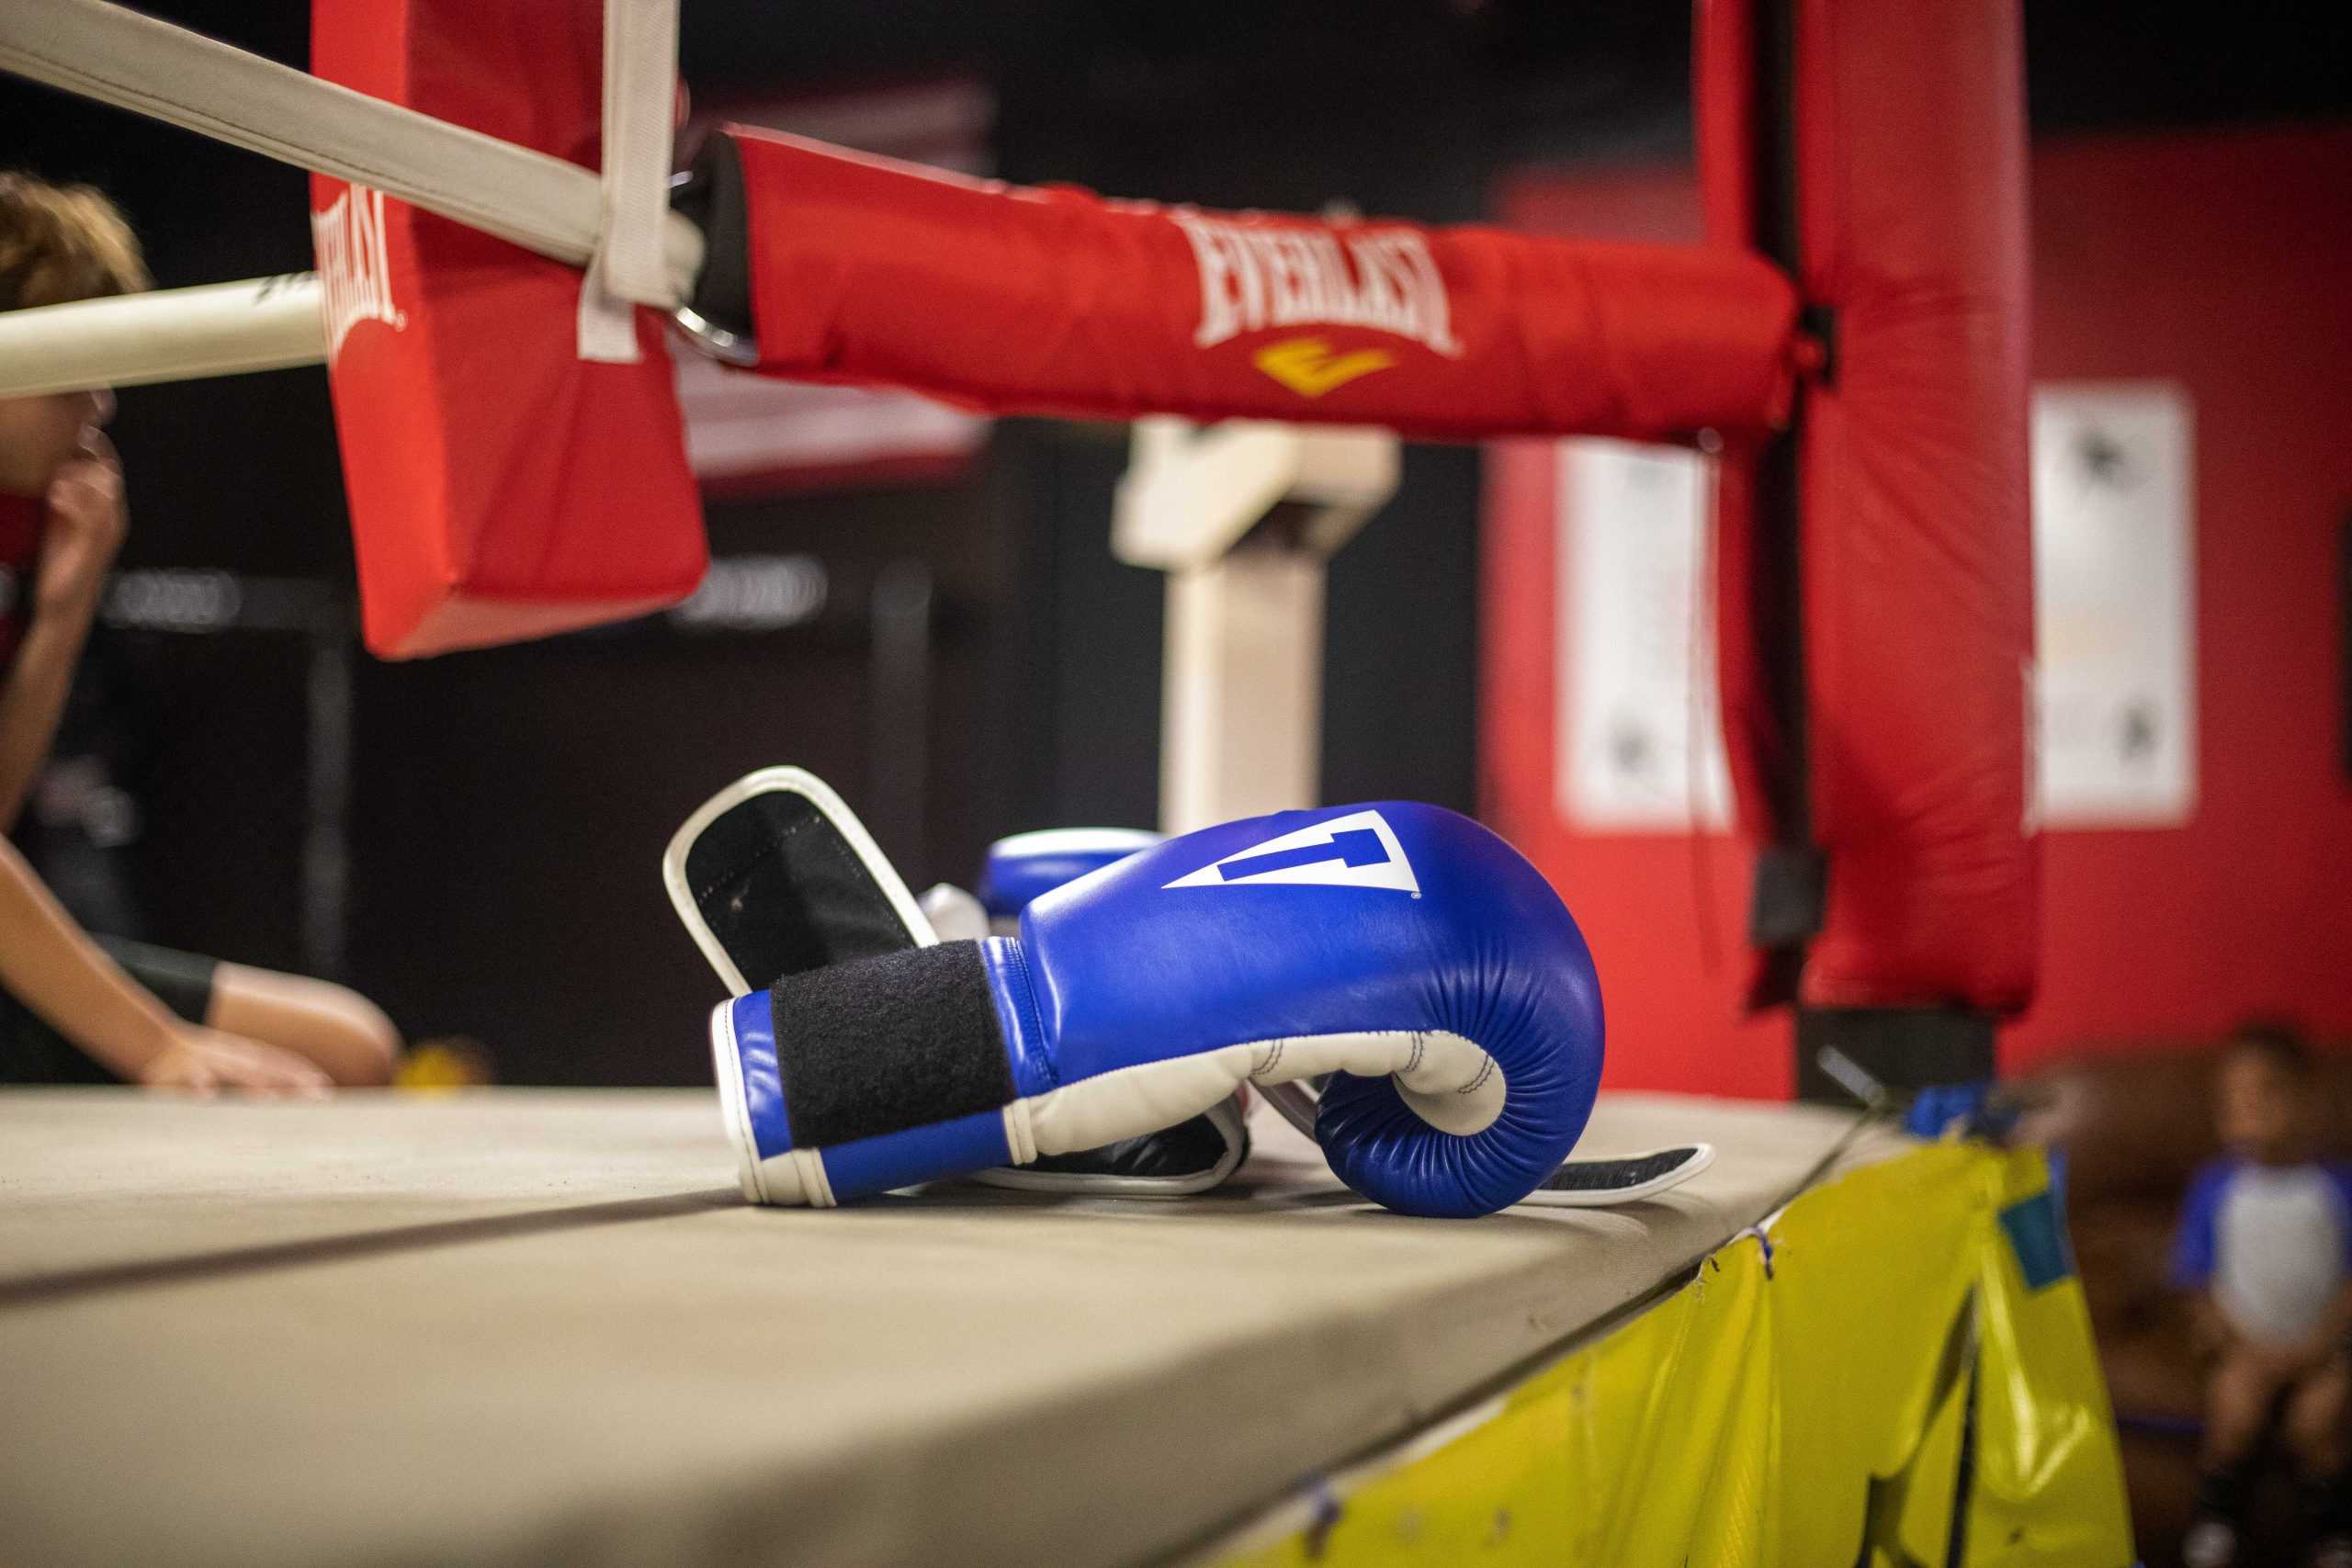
[1359, 849]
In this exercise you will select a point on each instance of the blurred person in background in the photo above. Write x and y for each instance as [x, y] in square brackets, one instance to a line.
[75, 1008]
[2266, 1245]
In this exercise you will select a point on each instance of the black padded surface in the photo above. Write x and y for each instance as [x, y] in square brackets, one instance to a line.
[1615, 1175]
[1184, 1150]
[784, 892]
[886, 1044]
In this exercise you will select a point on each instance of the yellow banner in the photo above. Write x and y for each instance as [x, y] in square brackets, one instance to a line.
[1899, 1373]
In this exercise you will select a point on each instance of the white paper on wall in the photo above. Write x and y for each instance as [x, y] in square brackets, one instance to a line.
[1640, 733]
[2115, 605]
[1641, 741]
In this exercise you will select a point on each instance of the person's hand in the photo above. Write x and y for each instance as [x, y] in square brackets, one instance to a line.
[86, 521]
[205, 1061]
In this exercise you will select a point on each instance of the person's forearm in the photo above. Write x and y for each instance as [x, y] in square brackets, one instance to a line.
[50, 963]
[34, 696]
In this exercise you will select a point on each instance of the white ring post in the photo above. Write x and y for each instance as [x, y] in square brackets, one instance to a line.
[1243, 517]
[170, 334]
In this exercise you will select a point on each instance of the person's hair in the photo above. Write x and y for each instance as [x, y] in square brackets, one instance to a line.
[59, 244]
[2275, 1041]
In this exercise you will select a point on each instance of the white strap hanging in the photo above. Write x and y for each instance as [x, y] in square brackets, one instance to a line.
[640, 88]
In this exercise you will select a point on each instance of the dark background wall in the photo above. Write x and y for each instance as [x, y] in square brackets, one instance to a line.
[506, 807]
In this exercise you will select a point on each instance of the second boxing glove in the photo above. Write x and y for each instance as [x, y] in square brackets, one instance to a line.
[1020, 866]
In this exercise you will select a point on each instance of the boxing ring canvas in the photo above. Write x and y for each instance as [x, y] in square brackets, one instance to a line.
[535, 1327]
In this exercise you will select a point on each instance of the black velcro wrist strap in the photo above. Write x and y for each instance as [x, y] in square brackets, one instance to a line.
[882, 1045]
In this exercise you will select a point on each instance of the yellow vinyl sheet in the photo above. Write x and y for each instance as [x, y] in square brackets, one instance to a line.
[1896, 1372]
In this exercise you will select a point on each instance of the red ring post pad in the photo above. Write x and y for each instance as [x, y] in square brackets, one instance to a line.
[1400, 947]
[1058, 301]
[1906, 147]
[1918, 557]
[499, 488]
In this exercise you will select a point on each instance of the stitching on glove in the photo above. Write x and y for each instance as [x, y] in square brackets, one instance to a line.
[1486, 1070]
[1028, 997]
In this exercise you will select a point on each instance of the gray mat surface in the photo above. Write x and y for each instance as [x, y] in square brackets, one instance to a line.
[522, 1327]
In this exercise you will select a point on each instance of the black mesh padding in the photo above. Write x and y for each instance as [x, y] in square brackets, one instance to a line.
[784, 892]
[1186, 1149]
[1615, 1175]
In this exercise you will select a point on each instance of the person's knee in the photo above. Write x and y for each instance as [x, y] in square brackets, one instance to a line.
[2237, 1399]
[2313, 1430]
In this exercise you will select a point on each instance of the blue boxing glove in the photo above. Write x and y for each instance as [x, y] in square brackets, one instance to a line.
[1401, 947]
[1021, 868]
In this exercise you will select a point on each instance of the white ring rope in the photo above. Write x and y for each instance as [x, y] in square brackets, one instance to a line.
[136, 62]
[171, 335]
